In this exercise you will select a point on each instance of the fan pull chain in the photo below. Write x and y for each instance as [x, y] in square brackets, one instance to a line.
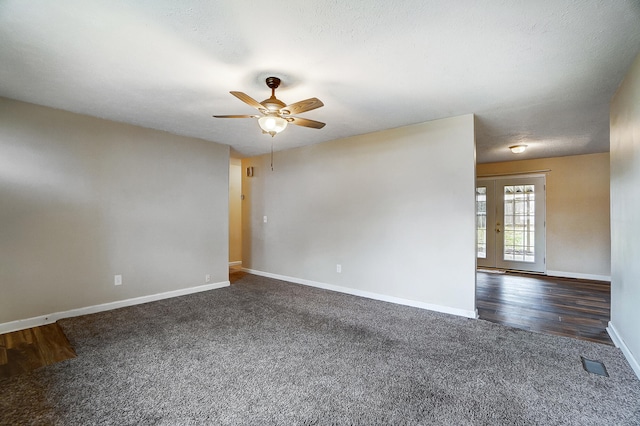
[271, 156]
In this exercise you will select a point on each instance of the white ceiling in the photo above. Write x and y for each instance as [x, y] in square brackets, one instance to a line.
[535, 72]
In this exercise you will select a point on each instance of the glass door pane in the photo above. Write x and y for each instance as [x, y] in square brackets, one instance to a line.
[519, 223]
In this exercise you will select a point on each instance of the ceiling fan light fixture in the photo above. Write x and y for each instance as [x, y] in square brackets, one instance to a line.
[518, 149]
[272, 124]
[275, 114]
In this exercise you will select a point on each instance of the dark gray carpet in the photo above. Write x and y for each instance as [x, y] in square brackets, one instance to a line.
[265, 352]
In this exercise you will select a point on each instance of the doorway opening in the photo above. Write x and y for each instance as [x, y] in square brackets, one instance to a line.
[235, 215]
[511, 283]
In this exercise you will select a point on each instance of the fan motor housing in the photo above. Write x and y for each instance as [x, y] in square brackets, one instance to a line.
[273, 104]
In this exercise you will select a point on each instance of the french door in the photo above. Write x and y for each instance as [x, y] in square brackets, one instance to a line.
[510, 223]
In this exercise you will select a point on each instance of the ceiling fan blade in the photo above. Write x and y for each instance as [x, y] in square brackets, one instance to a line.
[236, 116]
[302, 106]
[248, 100]
[305, 122]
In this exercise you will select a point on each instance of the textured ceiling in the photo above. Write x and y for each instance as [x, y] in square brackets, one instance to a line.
[536, 72]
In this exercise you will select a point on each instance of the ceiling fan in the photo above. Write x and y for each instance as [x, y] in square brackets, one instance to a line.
[275, 113]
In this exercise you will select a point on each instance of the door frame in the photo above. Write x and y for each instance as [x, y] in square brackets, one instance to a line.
[492, 259]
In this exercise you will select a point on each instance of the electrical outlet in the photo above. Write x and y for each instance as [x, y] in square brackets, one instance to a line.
[264, 219]
[117, 280]
[339, 268]
[207, 278]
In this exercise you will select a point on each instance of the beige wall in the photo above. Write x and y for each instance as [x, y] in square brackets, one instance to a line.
[83, 199]
[394, 208]
[235, 210]
[625, 216]
[578, 235]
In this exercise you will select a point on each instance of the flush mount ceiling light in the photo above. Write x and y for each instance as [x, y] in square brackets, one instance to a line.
[275, 113]
[518, 149]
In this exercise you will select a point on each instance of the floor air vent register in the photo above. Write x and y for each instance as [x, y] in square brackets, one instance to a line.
[594, 367]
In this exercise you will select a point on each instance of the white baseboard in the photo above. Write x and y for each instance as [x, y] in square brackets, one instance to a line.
[579, 276]
[236, 263]
[617, 340]
[22, 324]
[368, 294]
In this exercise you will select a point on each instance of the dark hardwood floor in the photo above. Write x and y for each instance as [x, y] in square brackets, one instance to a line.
[25, 350]
[561, 306]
